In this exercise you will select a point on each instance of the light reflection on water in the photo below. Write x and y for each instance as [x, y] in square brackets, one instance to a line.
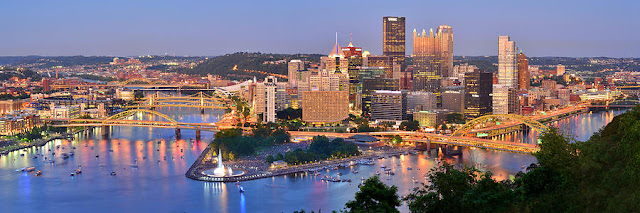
[158, 183]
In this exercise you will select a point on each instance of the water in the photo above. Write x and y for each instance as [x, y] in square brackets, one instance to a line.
[162, 187]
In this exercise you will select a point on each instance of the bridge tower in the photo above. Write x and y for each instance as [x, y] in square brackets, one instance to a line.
[198, 135]
[201, 103]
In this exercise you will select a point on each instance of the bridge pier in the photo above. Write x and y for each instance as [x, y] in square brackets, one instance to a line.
[202, 111]
[198, 135]
[178, 134]
[105, 132]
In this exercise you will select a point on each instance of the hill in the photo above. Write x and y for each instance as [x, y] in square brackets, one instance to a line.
[243, 65]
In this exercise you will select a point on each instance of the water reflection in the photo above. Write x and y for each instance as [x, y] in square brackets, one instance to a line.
[157, 184]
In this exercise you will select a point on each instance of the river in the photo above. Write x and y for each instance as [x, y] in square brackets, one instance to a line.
[158, 183]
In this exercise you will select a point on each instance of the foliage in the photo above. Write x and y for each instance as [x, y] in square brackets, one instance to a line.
[138, 95]
[374, 196]
[410, 125]
[320, 149]
[396, 139]
[232, 141]
[599, 175]
[94, 77]
[224, 65]
[455, 118]
[12, 97]
[289, 114]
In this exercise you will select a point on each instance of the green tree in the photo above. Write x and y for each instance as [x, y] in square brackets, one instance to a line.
[455, 118]
[410, 125]
[374, 196]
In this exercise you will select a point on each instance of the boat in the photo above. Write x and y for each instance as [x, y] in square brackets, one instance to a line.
[73, 174]
[409, 168]
[241, 189]
[78, 171]
[97, 156]
[65, 156]
[38, 173]
[113, 173]
[71, 153]
[34, 157]
[28, 169]
[355, 172]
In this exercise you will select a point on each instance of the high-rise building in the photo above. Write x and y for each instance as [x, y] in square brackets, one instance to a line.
[523, 72]
[432, 58]
[560, 70]
[265, 99]
[460, 69]
[500, 99]
[354, 56]
[453, 99]
[370, 85]
[389, 105]
[393, 38]
[513, 101]
[294, 67]
[379, 61]
[507, 62]
[325, 106]
[478, 98]
[421, 101]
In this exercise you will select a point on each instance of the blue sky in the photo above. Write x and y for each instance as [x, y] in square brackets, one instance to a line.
[207, 28]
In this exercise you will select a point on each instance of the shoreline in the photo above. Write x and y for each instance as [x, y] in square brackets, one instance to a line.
[42, 141]
[196, 169]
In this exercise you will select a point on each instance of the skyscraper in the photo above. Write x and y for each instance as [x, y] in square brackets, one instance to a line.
[445, 43]
[389, 105]
[393, 38]
[477, 97]
[432, 58]
[294, 67]
[507, 62]
[507, 75]
[523, 72]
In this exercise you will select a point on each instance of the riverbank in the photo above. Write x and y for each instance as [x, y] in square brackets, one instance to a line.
[256, 171]
[36, 142]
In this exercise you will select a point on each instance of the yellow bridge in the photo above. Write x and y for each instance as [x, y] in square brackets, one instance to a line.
[199, 100]
[120, 119]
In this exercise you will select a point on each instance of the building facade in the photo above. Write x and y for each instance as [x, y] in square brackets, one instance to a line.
[393, 38]
[478, 98]
[389, 105]
[325, 106]
[524, 77]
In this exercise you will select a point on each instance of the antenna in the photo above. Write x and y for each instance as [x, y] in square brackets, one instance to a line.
[350, 37]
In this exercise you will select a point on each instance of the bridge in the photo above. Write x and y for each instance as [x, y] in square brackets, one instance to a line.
[616, 104]
[120, 120]
[489, 126]
[199, 100]
[430, 139]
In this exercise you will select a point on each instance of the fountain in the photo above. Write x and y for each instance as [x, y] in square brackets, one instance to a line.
[220, 171]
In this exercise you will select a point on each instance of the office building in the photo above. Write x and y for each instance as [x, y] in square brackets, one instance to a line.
[560, 70]
[478, 97]
[523, 72]
[320, 107]
[500, 99]
[379, 61]
[507, 62]
[389, 105]
[295, 66]
[421, 101]
[265, 99]
[372, 79]
[393, 39]
[453, 99]
[432, 59]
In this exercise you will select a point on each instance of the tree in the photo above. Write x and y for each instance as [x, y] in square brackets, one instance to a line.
[269, 159]
[374, 196]
[446, 192]
[455, 118]
[396, 139]
[410, 125]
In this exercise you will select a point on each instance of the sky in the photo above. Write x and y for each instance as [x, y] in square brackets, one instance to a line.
[582, 28]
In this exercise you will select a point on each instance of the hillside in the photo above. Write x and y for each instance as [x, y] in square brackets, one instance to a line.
[248, 65]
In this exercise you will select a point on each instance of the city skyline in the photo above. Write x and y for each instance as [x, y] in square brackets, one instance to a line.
[137, 28]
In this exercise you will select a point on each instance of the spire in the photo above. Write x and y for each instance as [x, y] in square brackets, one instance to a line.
[424, 33]
[336, 52]
[431, 32]
[350, 39]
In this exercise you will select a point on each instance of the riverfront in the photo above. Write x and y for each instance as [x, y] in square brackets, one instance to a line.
[158, 183]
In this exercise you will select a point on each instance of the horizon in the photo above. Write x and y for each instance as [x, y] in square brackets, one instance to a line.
[193, 28]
